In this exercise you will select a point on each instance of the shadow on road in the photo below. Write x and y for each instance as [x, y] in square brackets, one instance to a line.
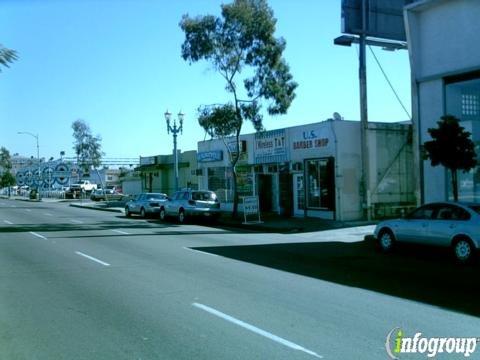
[421, 274]
[165, 228]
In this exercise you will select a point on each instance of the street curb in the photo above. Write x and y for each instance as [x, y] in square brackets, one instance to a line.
[96, 208]
[260, 228]
[17, 199]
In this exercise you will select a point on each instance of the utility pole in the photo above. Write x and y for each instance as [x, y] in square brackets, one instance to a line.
[175, 130]
[362, 75]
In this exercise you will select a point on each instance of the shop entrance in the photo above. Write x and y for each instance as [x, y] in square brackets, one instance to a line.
[298, 195]
[265, 194]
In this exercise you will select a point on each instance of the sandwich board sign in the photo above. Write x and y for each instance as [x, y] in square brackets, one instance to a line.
[251, 208]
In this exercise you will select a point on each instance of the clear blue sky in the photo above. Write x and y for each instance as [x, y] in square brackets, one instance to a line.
[117, 65]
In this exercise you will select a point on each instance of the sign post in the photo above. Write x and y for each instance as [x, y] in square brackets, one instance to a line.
[251, 207]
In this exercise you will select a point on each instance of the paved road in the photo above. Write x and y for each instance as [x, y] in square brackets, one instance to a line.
[84, 284]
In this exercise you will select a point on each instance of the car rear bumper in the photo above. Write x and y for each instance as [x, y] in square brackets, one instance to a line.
[206, 212]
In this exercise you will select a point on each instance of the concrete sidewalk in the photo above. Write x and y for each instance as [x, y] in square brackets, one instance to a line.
[272, 223]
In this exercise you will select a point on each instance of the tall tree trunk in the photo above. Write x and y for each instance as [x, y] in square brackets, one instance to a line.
[454, 184]
[235, 192]
[235, 159]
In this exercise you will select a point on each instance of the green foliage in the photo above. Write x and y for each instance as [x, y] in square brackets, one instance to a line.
[7, 56]
[7, 179]
[218, 121]
[87, 147]
[451, 147]
[5, 158]
[243, 37]
[240, 45]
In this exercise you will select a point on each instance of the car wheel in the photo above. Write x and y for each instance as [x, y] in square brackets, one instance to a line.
[143, 214]
[463, 250]
[386, 240]
[181, 216]
[127, 212]
[162, 214]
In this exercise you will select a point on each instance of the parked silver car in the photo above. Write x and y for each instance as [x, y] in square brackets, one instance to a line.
[145, 204]
[447, 224]
[110, 193]
[188, 203]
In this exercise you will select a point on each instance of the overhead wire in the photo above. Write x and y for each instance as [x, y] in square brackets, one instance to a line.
[389, 83]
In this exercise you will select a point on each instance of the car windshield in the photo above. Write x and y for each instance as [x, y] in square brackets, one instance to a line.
[203, 196]
[155, 196]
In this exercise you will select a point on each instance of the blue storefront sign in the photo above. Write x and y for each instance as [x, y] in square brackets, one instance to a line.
[210, 156]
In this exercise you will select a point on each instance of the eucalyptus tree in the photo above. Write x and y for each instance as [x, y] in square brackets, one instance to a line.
[88, 148]
[241, 47]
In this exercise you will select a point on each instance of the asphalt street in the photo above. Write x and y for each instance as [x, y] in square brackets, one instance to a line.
[85, 284]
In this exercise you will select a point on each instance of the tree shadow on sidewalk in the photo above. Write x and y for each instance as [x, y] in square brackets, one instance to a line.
[427, 275]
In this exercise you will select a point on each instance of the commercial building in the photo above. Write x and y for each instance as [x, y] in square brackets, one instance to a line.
[315, 169]
[157, 172]
[445, 62]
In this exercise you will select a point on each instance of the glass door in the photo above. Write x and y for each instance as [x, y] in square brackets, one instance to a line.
[298, 195]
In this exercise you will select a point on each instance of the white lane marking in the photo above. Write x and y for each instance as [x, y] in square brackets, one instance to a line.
[92, 258]
[12, 206]
[29, 210]
[256, 330]
[76, 221]
[7, 222]
[198, 251]
[38, 235]
[121, 232]
[48, 214]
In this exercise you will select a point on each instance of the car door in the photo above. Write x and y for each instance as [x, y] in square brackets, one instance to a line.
[449, 219]
[415, 226]
[171, 204]
[136, 203]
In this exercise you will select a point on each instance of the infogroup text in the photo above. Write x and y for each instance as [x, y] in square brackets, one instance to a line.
[397, 343]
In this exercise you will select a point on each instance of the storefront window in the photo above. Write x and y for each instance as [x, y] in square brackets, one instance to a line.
[220, 181]
[320, 183]
[244, 181]
[462, 97]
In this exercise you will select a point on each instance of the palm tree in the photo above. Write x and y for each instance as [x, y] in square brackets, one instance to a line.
[7, 56]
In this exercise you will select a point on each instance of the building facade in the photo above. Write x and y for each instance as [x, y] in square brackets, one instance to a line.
[157, 172]
[445, 63]
[314, 169]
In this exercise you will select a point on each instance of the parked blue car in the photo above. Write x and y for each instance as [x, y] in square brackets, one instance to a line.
[447, 224]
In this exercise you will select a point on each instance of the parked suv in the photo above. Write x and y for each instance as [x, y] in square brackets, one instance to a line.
[145, 204]
[187, 203]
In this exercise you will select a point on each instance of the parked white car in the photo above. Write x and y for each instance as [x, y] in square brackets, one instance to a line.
[447, 224]
[191, 203]
[145, 204]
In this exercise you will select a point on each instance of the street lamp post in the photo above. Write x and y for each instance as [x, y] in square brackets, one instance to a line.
[175, 130]
[38, 159]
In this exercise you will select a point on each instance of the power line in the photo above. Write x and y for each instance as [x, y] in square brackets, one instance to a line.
[389, 83]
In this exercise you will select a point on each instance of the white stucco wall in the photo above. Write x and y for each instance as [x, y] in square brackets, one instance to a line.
[443, 40]
[132, 186]
[348, 170]
[443, 36]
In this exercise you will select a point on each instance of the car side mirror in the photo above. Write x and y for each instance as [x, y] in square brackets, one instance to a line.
[169, 198]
